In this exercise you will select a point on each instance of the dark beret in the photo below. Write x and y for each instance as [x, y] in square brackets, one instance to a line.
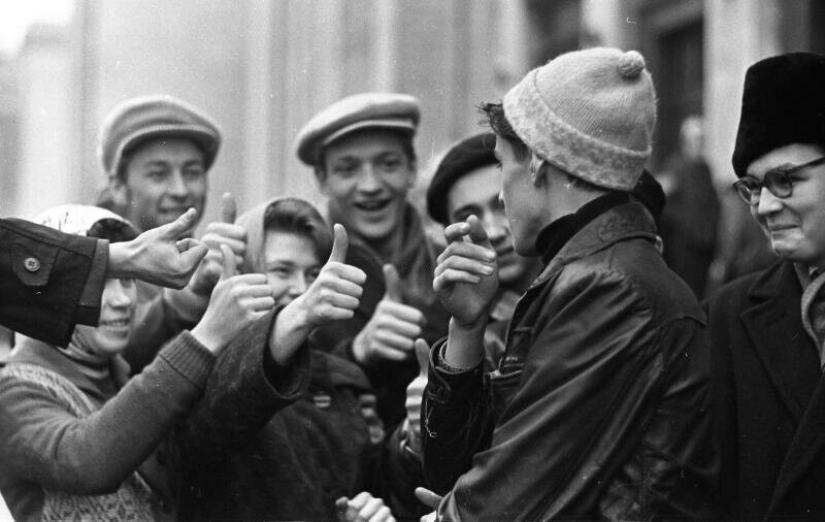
[783, 102]
[464, 156]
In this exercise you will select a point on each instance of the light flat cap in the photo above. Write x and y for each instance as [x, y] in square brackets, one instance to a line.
[154, 116]
[399, 112]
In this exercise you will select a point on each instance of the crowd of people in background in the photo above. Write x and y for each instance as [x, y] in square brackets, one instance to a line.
[554, 336]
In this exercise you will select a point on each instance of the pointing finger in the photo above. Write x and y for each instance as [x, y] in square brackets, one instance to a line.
[422, 354]
[393, 283]
[180, 226]
[229, 208]
[340, 244]
[229, 267]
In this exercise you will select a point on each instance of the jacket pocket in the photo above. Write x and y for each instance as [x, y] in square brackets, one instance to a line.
[502, 386]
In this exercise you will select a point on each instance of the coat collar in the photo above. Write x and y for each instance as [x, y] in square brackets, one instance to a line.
[618, 223]
[35, 352]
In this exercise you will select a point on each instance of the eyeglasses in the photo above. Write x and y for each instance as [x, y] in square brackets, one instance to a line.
[778, 181]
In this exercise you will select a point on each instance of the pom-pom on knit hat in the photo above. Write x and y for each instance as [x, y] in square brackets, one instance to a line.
[590, 113]
[782, 103]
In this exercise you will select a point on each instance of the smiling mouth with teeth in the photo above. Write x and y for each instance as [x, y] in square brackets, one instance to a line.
[372, 205]
[118, 323]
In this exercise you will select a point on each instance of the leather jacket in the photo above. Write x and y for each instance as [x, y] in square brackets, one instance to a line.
[599, 408]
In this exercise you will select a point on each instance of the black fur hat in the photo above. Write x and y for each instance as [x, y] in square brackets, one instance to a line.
[783, 103]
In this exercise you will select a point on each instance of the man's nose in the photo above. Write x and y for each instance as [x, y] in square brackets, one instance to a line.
[768, 203]
[177, 187]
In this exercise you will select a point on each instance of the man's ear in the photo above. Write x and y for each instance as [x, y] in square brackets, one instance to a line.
[120, 191]
[413, 173]
[321, 178]
[539, 170]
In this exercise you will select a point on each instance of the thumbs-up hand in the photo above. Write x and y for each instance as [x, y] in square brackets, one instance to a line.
[224, 232]
[236, 302]
[393, 327]
[466, 277]
[333, 296]
[415, 394]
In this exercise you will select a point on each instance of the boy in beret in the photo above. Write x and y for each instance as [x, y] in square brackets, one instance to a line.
[767, 328]
[361, 150]
[599, 406]
[467, 182]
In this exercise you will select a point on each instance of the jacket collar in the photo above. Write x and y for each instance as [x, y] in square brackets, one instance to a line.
[617, 221]
[31, 351]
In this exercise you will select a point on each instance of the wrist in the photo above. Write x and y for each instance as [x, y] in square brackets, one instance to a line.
[207, 337]
[120, 261]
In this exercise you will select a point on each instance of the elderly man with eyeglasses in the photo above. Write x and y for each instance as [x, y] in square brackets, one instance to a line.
[768, 329]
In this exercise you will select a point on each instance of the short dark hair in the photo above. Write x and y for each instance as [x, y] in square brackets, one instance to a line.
[405, 138]
[296, 216]
[498, 123]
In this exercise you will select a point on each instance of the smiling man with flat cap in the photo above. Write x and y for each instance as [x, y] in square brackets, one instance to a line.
[361, 149]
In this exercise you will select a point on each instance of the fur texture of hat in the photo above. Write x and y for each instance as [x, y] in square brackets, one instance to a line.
[590, 113]
[782, 103]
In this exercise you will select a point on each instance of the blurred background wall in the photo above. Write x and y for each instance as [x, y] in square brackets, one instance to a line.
[262, 68]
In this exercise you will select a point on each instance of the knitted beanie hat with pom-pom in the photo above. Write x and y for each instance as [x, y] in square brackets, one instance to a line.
[590, 113]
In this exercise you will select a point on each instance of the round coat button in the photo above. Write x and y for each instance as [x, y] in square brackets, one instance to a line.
[32, 264]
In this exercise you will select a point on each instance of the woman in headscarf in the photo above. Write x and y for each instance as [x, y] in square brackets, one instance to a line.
[78, 439]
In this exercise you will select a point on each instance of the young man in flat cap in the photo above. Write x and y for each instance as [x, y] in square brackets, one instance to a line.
[767, 329]
[361, 149]
[599, 406]
[156, 151]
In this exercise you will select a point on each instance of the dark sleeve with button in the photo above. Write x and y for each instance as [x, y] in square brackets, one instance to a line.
[49, 281]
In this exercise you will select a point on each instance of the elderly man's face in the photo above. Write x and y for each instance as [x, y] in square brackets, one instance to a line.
[477, 193]
[366, 177]
[163, 178]
[795, 225]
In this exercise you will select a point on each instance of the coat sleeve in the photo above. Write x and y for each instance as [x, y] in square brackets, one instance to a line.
[592, 377]
[244, 391]
[42, 442]
[49, 281]
[455, 422]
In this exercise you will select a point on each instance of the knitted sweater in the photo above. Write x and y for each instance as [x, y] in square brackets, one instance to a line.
[67, 452]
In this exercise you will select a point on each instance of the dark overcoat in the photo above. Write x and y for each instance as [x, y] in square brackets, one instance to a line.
[769, 398]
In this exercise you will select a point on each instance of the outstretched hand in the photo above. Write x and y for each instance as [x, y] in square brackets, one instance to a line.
[161, 256]
[466, 277]
[393, 327]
